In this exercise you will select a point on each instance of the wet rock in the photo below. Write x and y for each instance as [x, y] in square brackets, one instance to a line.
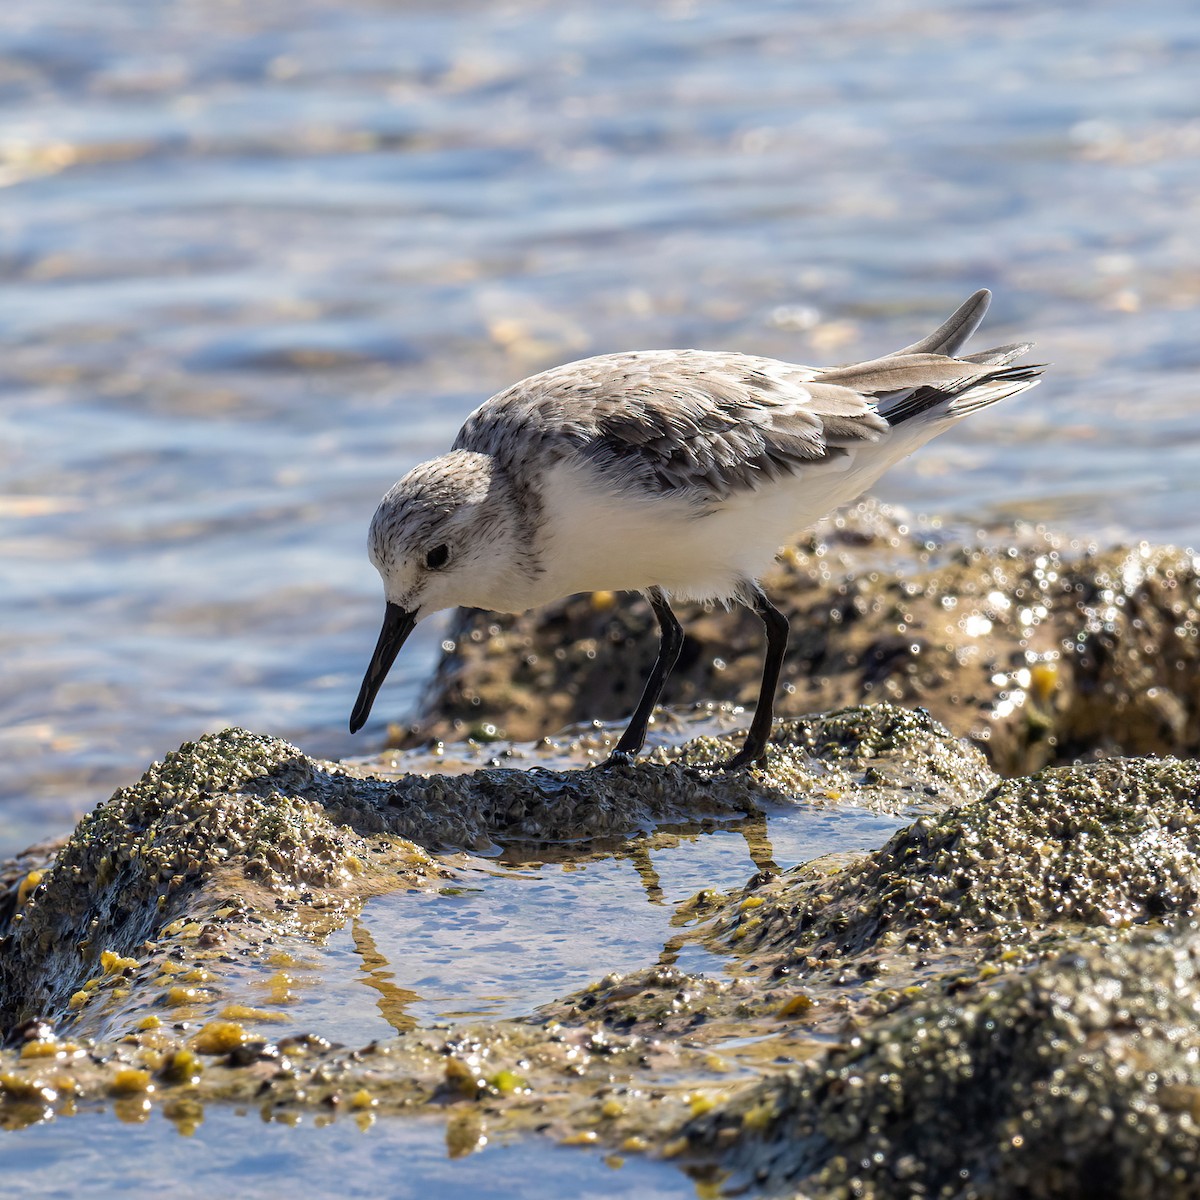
[1105, 845]
[1002, 1000]
[239, 841]
[1037, 649]
[1079, 1078]
[222, 826]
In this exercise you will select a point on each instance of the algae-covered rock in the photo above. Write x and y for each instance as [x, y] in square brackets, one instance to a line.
[1038, 649]
[237, 838]
[218, 826]
[1079, 1078]
[1002, 1000]
[1108, 844]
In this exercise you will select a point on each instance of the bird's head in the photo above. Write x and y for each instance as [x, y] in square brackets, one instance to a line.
[444, 536]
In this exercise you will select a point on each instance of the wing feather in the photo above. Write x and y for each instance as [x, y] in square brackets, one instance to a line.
[706, 425]
[677, 421]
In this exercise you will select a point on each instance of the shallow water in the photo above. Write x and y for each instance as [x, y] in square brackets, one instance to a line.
[239, 1155]
[256, 260]
[508, 935]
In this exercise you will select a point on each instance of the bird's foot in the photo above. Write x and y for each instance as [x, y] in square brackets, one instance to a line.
[618, 758]
[747, 756]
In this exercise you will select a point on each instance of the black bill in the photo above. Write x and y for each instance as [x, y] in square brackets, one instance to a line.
[398, 623]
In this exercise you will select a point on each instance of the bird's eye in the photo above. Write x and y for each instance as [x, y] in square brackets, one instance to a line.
[437, 557]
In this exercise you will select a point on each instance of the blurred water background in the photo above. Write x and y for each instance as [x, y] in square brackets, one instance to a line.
[258, 259]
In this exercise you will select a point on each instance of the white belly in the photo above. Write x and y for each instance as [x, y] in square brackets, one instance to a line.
[599, 540]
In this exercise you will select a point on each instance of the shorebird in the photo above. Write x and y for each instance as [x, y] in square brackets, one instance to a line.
[674, 473]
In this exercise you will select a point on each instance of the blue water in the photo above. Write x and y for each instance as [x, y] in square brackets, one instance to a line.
[257, 259]
[242, 1156]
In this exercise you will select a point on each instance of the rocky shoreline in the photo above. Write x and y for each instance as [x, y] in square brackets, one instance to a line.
[1001, 1000]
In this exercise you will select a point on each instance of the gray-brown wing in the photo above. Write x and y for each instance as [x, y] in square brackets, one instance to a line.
[691, 421]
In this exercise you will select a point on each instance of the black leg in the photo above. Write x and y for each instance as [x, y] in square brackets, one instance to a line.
[755, 749]
[669, 647]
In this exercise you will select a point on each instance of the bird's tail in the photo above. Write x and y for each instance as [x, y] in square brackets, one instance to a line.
[970, 393]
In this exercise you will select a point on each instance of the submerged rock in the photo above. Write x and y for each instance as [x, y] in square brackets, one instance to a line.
[1037, 649]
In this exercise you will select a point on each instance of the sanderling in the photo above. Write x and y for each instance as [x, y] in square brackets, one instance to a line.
[675, 473]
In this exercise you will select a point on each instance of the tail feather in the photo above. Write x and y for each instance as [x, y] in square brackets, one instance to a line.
[964, 396]
[949, 337]
[999, 356]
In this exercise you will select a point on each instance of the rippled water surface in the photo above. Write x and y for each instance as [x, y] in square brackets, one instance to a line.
[240, 1156]
[257, 259]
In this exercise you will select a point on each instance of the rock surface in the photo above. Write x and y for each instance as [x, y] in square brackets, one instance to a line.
[1001, 1000]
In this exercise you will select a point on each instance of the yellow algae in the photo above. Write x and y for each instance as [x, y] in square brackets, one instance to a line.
[584, 1137]
[170, 967]
[113, 963]
[612, 1108]
[42, 1048]
[181, 997]
[246, 1012]
[26, 1087]
[461, 1077]
[506, 1082]
[174, 927]
[675, 1147]
[219, 1037]
[701, 1102]
[279, 988]
[197, 975]
[129, 1081]
[635, 1144]
[1043, 680]
[68, 1086]
[27, 885]
[182, 1066]
[796, 1006]
[603, 601]
[149, 1022]
[758, 1117]
[751, 902]
[78, 999]
[353, 864]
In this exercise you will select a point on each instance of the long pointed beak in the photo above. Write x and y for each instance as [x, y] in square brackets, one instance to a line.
[398, 623]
